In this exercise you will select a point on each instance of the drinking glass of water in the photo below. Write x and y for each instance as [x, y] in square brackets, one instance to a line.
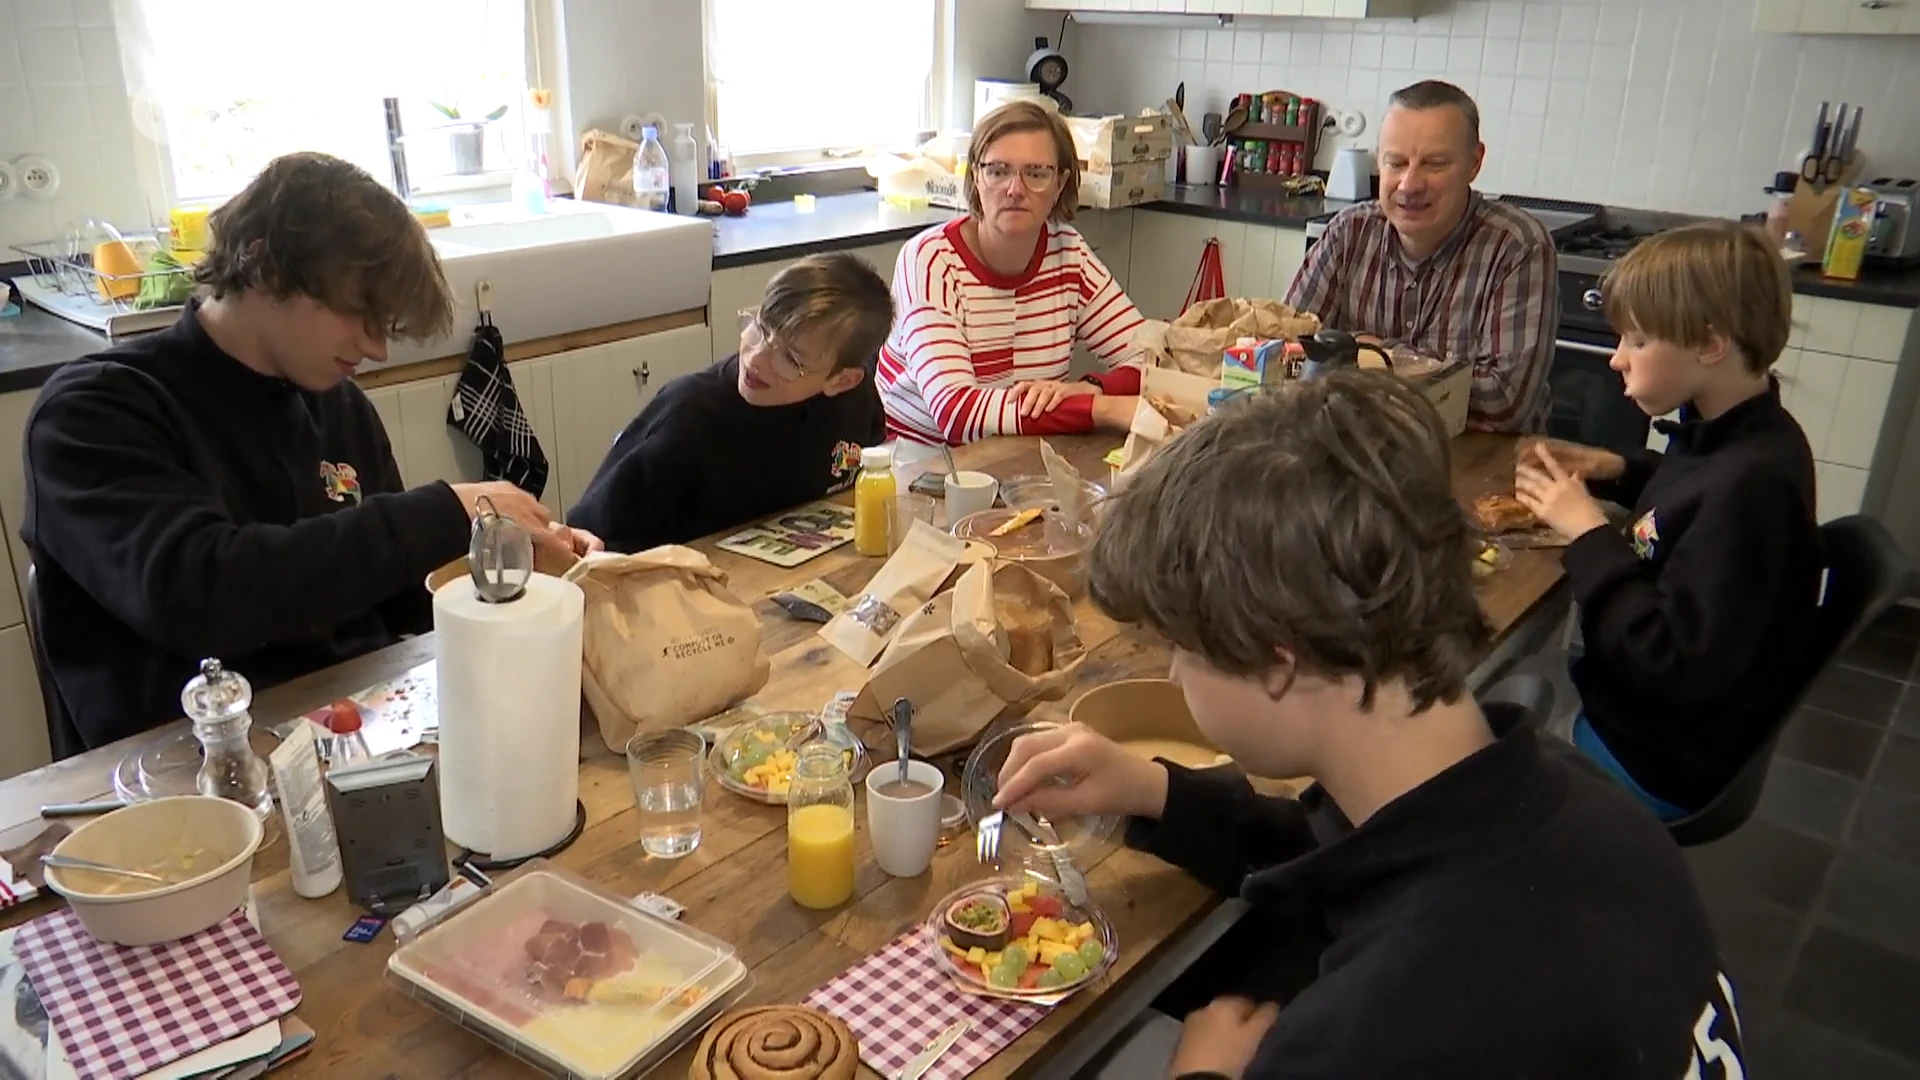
[668, 769]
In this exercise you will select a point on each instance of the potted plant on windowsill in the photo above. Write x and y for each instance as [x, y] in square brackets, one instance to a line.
[468, 138]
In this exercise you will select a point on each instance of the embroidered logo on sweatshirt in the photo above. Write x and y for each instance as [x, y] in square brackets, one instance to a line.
[1646, 534]
[342, 482]
[845, 463]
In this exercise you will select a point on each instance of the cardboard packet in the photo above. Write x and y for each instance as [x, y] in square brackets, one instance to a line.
[909, 579]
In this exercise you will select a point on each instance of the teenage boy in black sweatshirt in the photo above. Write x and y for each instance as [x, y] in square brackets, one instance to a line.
[1694, 620]
[1497, 909]
[222, 488]
[778, 424]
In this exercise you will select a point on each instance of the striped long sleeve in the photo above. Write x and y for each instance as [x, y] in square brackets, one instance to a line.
[966, 337]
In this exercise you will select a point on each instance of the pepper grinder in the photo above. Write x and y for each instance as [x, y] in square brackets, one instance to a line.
[217, 701]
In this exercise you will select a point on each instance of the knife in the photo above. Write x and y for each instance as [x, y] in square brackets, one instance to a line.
[1831, 164]
[941, 1043]
[1072, 881]
[1852, 138]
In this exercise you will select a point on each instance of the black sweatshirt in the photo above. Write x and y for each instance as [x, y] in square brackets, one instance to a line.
[181, 506]
[1696, 618]
[1517, 916]
[699, 459]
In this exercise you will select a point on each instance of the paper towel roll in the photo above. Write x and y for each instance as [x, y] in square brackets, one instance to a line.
[509, 694]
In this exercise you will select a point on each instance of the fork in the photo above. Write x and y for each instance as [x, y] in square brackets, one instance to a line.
[986, 837]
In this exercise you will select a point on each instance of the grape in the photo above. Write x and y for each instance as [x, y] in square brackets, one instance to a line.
[1050, 979]
[1016, 958]
[1003, 977]
[1069, 966]
[1091, 953]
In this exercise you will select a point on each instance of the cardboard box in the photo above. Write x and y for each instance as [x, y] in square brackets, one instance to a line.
[1105, 142]
[948, 191]
[1448, 388]
[1128, 185]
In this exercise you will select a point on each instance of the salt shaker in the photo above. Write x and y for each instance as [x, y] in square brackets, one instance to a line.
[217, 701]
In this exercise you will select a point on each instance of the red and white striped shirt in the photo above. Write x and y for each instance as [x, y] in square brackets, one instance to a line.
[963, 336]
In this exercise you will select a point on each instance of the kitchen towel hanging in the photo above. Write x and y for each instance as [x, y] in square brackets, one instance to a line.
[486, 408]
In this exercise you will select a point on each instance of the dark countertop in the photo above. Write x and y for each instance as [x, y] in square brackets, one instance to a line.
[777, 231]
[1249, 205]
[1888, 288]
[33, 344]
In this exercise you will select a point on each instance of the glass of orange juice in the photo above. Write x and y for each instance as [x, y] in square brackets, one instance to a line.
[820, 828]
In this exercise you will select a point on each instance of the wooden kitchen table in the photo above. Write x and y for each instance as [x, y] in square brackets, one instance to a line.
[734, 885]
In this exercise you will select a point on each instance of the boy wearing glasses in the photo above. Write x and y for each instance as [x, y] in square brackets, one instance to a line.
[777, 425]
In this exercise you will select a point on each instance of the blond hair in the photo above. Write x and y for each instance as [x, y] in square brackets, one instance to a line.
[1019, 116]
[313, 225]
[1319, 519]
[834, 300]
[1685, 285]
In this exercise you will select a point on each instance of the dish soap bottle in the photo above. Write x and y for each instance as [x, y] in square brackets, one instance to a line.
[685, 170]
[217, 701]
[651, 172]
[820, 828]
[873, 497]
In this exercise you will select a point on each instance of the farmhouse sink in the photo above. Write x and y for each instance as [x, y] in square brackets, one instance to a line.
[581, 265]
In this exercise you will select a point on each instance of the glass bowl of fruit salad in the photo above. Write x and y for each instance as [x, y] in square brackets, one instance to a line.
[1017, 936]
[756, 759]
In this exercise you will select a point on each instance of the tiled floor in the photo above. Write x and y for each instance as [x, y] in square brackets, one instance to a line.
[1817, 900]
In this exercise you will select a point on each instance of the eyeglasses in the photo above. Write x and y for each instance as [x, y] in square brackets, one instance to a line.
[1036, 177]
[755, 335]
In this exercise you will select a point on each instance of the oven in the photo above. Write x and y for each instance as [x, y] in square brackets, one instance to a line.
[1589, 399]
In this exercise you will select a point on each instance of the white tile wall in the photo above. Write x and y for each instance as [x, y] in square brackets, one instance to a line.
[62, 96]
[1665, 104]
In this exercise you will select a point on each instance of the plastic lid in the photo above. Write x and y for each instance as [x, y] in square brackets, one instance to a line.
[1784, 182]
[876, 457]
[649, 132]
[170, 765]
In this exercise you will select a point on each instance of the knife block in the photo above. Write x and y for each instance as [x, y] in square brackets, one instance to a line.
[1810, 208]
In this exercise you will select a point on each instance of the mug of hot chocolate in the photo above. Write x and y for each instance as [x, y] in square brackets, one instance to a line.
[903, 816]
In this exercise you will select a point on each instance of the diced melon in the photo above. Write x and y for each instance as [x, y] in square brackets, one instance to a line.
[1018, 904]
[1051, 930]
[986, 974]
[947, 944]
[992, 960]
[1083, 932]
[1031, 889]
[976, 955]
[1051, 950]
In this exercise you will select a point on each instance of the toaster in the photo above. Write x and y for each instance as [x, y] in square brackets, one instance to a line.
[1896, 221]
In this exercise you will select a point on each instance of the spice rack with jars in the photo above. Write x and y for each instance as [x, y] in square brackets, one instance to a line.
[1279, 140]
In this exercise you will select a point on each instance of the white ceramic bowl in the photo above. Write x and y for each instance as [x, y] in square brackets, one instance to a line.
[158, 836]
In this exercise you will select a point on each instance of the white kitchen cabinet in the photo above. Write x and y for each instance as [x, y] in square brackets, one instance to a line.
[1837, 16]
[23, 720]
[1333, 9]
[13, 484]
[1810, 385]
[386, 402]
[433, 449]
[1838, 490]
[1256, 261]
[737, 288]
[597, 391]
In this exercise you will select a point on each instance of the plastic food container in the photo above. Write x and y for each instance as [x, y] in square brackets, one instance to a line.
[1022, 492]
[1082, 930]
[761, 743]
[207, 842]
[1081, 837]
[569, 978]
[1050, 546]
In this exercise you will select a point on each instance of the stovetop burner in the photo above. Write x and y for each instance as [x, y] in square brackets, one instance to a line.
[1607, 242]
[1592, 248]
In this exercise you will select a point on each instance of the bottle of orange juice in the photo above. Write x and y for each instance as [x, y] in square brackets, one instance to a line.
[873, 500]
[820, 828]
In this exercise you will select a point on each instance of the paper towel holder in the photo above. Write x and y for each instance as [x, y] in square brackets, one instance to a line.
[500, 558]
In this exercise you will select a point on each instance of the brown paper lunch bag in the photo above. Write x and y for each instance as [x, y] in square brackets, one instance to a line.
[960, 658]
[666, 643]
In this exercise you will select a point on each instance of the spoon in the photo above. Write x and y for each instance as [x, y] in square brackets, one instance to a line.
[69, 862]
[951, 467]
[902, 733]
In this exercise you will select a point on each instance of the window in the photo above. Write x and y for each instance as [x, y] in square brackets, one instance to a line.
[819, 76]
[225, 86]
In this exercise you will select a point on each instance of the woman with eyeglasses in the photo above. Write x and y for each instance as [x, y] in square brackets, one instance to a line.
[779, 425]
[990, 306]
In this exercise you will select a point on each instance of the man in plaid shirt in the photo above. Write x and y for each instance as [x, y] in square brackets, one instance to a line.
[1433, 265]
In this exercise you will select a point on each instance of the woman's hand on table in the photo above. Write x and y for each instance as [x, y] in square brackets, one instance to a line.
[1042, 396]
[1557, 496]
[1074, 771]
[1114, 412]
[1223, 1037]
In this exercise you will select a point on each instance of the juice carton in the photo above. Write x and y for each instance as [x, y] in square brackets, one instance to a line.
[1847, 242]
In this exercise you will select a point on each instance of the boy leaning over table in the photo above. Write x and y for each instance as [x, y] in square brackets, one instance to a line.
[1493, 907]
[1694, 621]
[777, 425]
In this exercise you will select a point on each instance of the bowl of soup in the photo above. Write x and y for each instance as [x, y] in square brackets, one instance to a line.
[201, 845]
[1149, 718]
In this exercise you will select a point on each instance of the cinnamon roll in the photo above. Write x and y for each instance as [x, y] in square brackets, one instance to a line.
[777, 1042]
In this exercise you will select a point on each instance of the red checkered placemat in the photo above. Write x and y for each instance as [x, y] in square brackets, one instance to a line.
[122, 1011]
[899, 998]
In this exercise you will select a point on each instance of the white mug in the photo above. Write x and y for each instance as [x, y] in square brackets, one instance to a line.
[905, 831]
[969, 493]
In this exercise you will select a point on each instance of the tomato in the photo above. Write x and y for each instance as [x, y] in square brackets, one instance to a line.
[735, 202]
[342, 717]
[1049, 907]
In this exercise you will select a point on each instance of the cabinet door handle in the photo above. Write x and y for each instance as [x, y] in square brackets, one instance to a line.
[1875, 5]
[640, 376]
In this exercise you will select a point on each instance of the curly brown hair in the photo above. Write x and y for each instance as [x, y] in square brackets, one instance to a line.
[313, 225]
[1320, 519]
[1018, 116]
